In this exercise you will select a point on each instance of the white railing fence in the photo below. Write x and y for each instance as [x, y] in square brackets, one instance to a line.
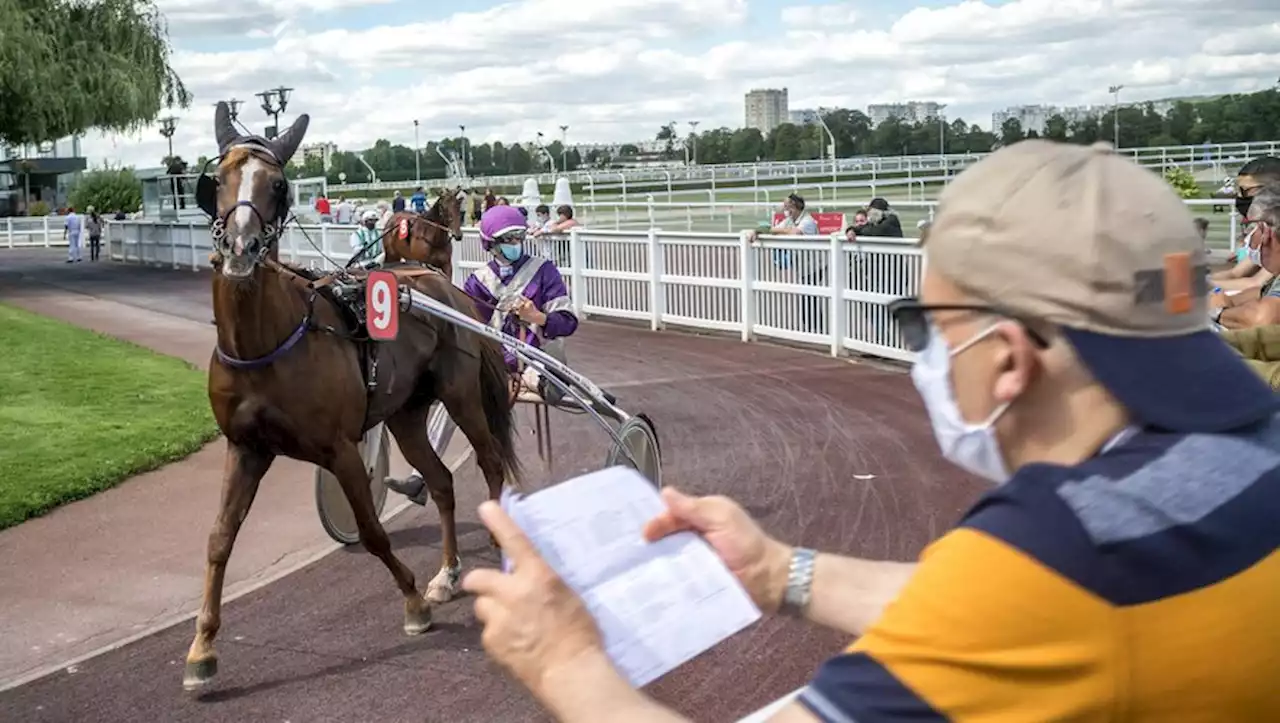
[822, 291]
[32, 232]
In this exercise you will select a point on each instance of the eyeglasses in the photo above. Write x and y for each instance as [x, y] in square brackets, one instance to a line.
[913, 320]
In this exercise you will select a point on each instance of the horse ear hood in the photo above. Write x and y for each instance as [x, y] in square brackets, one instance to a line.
[223, 130]
[286, 144]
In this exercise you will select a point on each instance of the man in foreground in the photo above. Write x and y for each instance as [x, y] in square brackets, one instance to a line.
[1124, 566]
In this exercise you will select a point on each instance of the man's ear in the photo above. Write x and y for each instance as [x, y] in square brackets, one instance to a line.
[1017, 363]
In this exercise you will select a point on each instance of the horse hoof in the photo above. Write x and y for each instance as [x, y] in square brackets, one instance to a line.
[198, 673]
[439, 593]
[417, 622]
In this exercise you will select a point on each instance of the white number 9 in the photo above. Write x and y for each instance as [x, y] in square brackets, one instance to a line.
[381, 303]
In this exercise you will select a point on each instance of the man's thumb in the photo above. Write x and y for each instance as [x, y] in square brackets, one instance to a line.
[684, 507]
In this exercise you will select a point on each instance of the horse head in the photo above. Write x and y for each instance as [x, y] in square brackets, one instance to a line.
[447, 211]
[248, 196]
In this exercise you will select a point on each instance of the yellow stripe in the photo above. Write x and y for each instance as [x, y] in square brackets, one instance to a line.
[985, 633]
[982, 632]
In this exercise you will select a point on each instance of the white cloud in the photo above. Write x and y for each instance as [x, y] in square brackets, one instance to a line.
[617, 69]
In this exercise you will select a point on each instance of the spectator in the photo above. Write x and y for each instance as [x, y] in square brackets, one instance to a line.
[542, 223]
[397, 202]
[71, 233]
[489, 199]
[811, 267]
[1250, 308]
[323, 209]
[1248, 274]
[882, 221]
[345, 212]
[1123, 567]
[384, 213]
[93, 227]
[502, 201]
[564, 220]
[418, 202]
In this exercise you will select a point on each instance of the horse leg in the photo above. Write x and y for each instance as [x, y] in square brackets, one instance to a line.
[350, 470]
[471, 420]
[244, 469]
[410, 430]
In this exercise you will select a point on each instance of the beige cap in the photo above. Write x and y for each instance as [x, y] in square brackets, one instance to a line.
[1073, 235]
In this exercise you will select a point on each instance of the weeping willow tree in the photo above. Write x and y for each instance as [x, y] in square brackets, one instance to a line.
[70, 65]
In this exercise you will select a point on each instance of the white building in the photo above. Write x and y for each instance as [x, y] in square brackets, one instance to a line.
[804, 117]
[321, 150]
[766, 109]
[909, 112]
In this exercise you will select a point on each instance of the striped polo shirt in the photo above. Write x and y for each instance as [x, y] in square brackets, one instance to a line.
[1140, 585]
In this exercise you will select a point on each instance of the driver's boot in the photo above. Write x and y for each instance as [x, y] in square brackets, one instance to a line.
[413, 487]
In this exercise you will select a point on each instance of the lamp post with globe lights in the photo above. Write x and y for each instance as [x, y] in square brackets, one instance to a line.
[274, 102]
[693, 142]
[417, 155]
[167, 128]
[1115, 112]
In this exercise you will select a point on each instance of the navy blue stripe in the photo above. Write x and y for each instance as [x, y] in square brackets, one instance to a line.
[863, 690]
[1029, 515]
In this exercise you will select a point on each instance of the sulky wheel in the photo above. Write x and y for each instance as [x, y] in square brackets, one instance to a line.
[336, 517]
[640, 438]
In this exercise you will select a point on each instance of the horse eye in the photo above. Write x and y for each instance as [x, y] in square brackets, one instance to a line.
[279, 185]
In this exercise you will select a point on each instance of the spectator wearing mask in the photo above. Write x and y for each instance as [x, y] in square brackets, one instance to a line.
[882, 221]
[418, 202]
[1260, 345]
[1249, 308]
[1248, 274]
[397, 202]
[1124, 564]
[542, 219]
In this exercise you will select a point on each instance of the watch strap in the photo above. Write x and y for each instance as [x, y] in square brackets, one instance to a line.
[795, 599]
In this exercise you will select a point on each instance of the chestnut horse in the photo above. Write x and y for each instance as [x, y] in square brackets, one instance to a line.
[428, 236]
[294, 375]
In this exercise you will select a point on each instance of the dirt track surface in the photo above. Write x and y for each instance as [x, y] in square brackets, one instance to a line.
[825, 453]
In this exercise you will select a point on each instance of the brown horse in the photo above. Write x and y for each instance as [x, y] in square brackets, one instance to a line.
[294, 375]
[429, 236]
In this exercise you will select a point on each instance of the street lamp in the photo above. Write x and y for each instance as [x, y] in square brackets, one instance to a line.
[466, 162]
[167, 127]
[274, 102]
[832, 137]
[417, 155]
[564, 148]
[942, 132]
[693, 135]
[1115, 112]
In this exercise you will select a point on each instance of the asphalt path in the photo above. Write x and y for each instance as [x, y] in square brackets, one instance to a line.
[824, 452]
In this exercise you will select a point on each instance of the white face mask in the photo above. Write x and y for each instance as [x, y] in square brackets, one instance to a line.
[972, 447]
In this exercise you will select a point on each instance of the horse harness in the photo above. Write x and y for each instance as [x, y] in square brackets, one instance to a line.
[335, 286]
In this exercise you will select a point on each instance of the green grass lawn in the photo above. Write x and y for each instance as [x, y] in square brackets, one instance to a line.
[80, 412]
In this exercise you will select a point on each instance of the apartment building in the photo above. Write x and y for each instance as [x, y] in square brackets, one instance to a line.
[766, 109]
[909, 112]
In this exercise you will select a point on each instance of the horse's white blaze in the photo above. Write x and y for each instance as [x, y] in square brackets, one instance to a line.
[244, 215]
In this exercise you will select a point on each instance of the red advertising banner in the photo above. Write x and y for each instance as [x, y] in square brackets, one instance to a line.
[828, 223]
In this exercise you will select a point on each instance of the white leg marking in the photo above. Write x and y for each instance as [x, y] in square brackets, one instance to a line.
[444, 586]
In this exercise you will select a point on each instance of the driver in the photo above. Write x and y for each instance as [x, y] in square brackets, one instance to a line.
[522, 295]
[368, 234]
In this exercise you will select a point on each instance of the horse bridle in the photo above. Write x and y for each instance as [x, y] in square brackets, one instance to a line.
[207, 200]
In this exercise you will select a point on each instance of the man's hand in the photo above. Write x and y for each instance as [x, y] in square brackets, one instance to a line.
[534, 624]
[758, 561]
[1219, 300]
[529, 313]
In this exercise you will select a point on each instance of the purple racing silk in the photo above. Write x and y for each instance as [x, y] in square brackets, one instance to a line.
[534, 278]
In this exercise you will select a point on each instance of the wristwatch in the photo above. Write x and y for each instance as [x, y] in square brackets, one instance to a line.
[799, 582]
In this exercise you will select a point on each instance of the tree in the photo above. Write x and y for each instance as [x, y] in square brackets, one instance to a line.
[67, 66]
[1056, 128]
[1183, 181]
[107, 190]
[1011, 131]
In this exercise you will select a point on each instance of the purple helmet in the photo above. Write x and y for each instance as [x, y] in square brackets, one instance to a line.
[499, 221]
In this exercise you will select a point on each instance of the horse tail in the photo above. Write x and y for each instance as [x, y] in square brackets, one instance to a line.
[495, 399]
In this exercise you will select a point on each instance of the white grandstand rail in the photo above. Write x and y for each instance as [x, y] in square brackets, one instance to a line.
[33, 232]
[1157, 156]
[708, 281]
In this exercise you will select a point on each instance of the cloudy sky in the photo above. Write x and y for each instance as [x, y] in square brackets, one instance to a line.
[617, 69]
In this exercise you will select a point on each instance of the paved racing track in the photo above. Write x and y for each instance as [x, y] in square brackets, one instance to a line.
[825, 452]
